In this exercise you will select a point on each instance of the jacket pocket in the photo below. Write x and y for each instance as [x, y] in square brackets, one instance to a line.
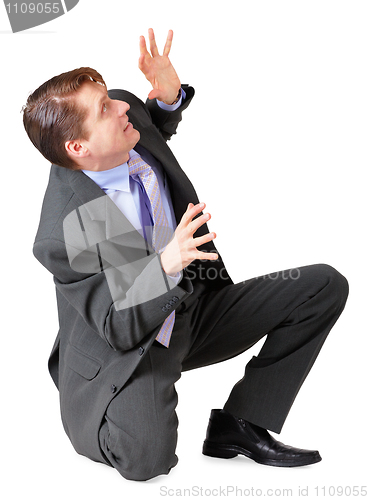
[85, 366]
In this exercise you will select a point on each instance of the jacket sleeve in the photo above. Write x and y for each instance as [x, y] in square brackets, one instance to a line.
[167, 121]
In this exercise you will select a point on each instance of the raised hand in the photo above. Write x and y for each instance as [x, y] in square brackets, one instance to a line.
[158, 69]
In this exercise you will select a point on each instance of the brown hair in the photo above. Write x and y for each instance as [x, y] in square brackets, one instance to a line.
[51, 116]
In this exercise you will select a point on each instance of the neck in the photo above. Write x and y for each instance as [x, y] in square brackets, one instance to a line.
[98, 166]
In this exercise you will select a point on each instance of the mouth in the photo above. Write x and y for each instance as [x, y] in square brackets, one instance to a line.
[127, 126]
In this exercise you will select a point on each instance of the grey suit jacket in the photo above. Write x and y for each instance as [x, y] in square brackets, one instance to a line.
[104, 331]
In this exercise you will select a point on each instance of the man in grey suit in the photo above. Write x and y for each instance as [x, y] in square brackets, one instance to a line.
[142, 292]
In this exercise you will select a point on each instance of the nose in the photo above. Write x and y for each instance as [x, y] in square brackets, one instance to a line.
[123, 107]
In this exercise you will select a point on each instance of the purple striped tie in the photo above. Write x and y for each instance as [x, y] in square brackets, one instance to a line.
[161, 231]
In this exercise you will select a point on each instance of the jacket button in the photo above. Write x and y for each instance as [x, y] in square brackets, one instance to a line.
[175, 299]
[164, 309]
[113, 388]
[141, 350]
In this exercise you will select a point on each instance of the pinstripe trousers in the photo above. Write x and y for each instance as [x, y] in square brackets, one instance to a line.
[294, 310]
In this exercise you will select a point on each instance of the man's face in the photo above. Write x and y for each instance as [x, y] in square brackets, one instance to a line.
[110, 135]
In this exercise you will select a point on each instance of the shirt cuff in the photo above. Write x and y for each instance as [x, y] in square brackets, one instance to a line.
[175, 279]
[172, 107]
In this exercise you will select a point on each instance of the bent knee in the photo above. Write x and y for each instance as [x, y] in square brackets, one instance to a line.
[138, 458]
[149, 464]
[338, 284]
[146, 465]
[326, 281]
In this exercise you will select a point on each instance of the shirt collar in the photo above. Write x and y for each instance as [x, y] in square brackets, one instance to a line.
[116, 178]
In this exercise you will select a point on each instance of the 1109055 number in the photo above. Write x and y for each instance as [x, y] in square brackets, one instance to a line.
[32, 8]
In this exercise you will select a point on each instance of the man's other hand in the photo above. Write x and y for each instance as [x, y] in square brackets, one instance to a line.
[182, 249]
[158, 69]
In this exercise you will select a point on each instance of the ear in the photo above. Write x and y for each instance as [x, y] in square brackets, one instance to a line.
[76, 149]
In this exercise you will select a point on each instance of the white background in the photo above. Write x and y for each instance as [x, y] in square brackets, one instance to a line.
[276, 143]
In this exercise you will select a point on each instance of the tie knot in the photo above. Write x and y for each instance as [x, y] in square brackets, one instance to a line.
[136, 165]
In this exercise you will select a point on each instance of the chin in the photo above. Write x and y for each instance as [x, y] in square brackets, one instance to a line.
[136, 136]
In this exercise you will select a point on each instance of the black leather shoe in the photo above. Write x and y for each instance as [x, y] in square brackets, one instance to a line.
[228, 436]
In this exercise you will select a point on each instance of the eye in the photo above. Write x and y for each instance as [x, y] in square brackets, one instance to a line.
[104, 109]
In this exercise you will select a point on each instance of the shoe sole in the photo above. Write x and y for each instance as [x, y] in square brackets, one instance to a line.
[218, 450]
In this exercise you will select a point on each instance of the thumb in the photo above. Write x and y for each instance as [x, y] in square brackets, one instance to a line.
[154, 94]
